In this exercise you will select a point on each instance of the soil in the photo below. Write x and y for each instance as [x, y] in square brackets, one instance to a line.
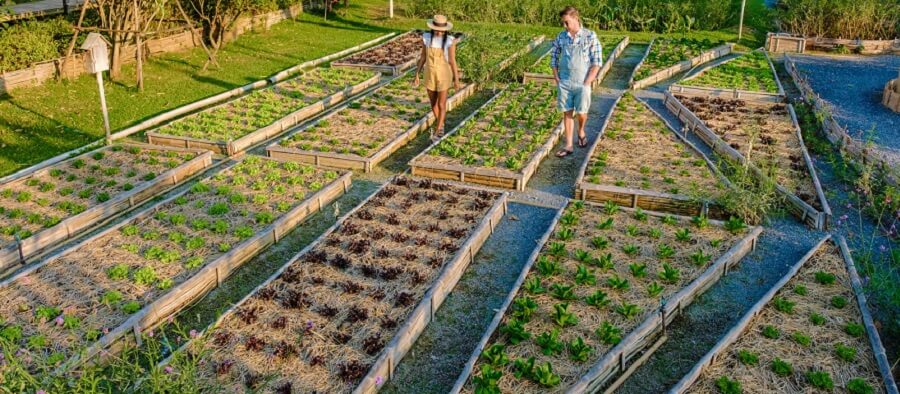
[819, 355]
[173, 242]
[244, 115]
[71, 187]
[590, 317]
[504, 135]
[366, 126]
[393, 53]
[776, 148]
[340, 303]
[662, 163]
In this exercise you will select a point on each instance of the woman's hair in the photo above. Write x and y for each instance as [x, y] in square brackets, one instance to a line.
[569, 11]
[444, 43]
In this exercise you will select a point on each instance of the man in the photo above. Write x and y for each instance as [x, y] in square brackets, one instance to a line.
[576, 58]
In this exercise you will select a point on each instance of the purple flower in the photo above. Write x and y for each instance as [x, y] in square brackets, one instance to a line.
[379, 380]
[849, 205]
[309, 325]
[105, 330]
[882, 248]
[844, 217]
[150, 333]
[40, 392]
[193, 333]
[59, 320]
[170, 319]
[168, 369]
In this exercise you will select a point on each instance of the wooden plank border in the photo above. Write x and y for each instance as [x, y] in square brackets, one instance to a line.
[667, 73]
[480, 175]
[209, 277]
[239, 145]
[809, 215]
[648, 199]
[641, 62]
[17, 254]
[607, 65]
[751, 95]
[641, 338]
[721, 347]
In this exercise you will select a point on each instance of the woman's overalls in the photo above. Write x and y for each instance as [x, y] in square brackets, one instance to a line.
[438, 74]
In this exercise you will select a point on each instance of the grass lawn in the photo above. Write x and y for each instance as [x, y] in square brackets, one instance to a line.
[41, 122]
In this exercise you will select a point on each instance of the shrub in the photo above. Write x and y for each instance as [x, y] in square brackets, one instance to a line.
[32, 41]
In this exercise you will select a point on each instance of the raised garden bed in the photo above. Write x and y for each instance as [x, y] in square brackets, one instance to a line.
[770, 135]
[750, 76]
[392, 57]
[598, 293]
[59, 202]
[343, 312]
[501, 144]
[811, 332]
[667, 57]
[542, 72]
[134, 275]
[640, 162]
[487, 52]
[234, 126]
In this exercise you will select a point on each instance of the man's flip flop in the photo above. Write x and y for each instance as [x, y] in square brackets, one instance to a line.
[564, 153]
[582, 141]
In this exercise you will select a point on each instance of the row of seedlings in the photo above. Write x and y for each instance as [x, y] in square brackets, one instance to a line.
[234, 126]
[365, 132]
[487, 52]
[392, 57]
[640, 162]
[750, 76]
[501, 144]
[132, 276]
[542, 72]
[598, 293]
[811, 332]
[767, 137]
[666, 57]
[342, 313]
[58, 202]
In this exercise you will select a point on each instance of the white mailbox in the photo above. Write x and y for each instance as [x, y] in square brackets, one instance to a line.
[98, 51]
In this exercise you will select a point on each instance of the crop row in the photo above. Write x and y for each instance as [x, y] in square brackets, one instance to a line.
[749, 72]
[56, 309]
[320, 324]
[240, 117]
[65, 190]
[486, 49]
[602, 272]
[668, 52]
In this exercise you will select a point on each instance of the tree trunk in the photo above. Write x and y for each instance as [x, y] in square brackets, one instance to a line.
[138, 53]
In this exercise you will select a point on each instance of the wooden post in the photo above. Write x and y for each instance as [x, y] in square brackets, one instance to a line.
[391, 9]
[103, 106]
[139, 62]
[741, 23]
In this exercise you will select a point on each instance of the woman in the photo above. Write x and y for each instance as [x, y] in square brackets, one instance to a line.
[439, 59]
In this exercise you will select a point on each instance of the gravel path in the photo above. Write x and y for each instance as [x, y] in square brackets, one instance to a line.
[853, 86]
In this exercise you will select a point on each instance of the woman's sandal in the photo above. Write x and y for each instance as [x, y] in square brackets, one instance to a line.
[582, 141]
[564, 153]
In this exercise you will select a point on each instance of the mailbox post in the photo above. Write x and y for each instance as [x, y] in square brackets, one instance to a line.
[97, 63]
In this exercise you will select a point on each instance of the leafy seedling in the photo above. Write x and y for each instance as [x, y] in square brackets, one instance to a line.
[549, 342]
[654, 289]
[562, 316]
[515, 332]
[627, 310]
[495, 356]
[579, 350]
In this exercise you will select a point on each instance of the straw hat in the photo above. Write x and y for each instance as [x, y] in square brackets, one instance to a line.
[440, 23]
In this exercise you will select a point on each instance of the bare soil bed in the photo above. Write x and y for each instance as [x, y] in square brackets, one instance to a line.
[763, 133]
[601, 273]
[395, 52]
[320, 324]
[809, 338]
[72, 301]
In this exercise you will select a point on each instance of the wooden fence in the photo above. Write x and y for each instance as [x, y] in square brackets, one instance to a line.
[607, 65]
[782, 42]
[41, 72]
[18, 254]
[625, 357]
[237, 146]
[648, 199]
[808, 214]
[721, 347]
[839, 135]
[703, 91]
[667, 73]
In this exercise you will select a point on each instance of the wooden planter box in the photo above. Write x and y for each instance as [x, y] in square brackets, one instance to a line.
[607, 65]
[480, 175]
[809, 215]
[208, 278]
[421, 316]
[732, 93]
[667, 73]
[17, 254]
[721, 347]
[239, 145]
[648, 199]
[394, 70]
[353, 162]
[891, 96]
[776, 43]
[640, 343]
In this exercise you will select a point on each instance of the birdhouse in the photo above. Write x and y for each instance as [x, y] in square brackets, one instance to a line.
[98, 51]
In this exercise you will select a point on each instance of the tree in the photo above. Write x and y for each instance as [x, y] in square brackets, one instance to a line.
[217, 18]
[125, 22]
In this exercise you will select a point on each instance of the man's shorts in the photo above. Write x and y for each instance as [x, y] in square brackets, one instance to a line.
[573, 96]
